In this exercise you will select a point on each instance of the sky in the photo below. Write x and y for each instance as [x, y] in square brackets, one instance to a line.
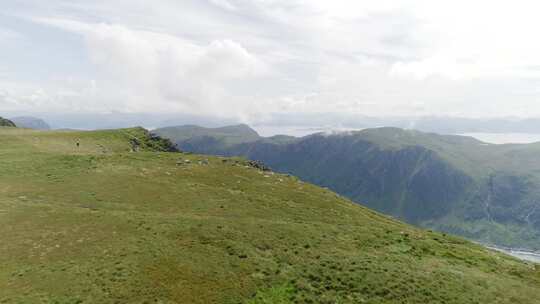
[249, 60]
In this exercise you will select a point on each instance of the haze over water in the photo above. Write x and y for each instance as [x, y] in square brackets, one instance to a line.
[492, 138]
[505, 138]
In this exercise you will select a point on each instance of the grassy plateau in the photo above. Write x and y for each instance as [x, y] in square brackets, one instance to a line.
[107, 222]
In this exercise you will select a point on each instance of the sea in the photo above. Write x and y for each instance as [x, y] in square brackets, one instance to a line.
[519, 253]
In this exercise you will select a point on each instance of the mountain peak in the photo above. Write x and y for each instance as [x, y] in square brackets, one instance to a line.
[239, 129]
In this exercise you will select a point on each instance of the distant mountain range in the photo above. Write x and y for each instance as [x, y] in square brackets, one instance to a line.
[457, 184]
[29, 122]
[291, 123]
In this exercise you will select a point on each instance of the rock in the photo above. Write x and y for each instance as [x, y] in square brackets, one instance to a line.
[135, 145]
[258, 165]
[6, 123]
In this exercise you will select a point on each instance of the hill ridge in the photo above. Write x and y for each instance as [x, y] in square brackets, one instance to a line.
[100, 223]
[436, 181]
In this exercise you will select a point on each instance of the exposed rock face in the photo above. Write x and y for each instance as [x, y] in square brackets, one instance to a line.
[258, 165]
[160, 143]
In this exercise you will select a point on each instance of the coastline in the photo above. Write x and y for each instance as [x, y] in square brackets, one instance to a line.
[521, 254]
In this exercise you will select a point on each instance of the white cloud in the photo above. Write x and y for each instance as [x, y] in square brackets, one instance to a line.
[224, 4]
[7, 36]
[67, 96]
[245, 58]
[160, 71]
[472, 39]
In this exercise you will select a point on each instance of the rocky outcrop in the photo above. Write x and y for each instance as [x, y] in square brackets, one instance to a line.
[6, 123]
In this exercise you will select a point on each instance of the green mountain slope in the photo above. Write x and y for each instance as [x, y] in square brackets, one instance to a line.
[6, 123]
[100, 223]
[210, 137]
[490, 193]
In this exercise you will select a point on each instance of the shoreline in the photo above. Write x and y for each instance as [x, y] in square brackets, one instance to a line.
[522, 254]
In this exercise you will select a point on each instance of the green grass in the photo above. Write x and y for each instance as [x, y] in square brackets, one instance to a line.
[100, 224]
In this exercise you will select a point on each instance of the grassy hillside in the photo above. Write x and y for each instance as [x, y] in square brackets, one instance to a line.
[100, 223]
[456, 184]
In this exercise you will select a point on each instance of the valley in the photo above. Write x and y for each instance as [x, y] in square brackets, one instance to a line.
[455, 184]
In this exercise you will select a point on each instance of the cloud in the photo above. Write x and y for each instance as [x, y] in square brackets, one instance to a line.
[162, 71]
[8, 36]
[68, 97]
[248, 58]
[224, 4]
[489, 40]
[266, 57]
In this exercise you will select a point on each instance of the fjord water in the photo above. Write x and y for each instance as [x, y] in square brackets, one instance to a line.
[525, 255]
[520, 254]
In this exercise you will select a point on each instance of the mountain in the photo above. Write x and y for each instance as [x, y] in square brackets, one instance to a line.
[489, 193]
[227, 136]
[6, 123]
[215, 140]
[115, 219]
[29, 122]
[209, 140]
